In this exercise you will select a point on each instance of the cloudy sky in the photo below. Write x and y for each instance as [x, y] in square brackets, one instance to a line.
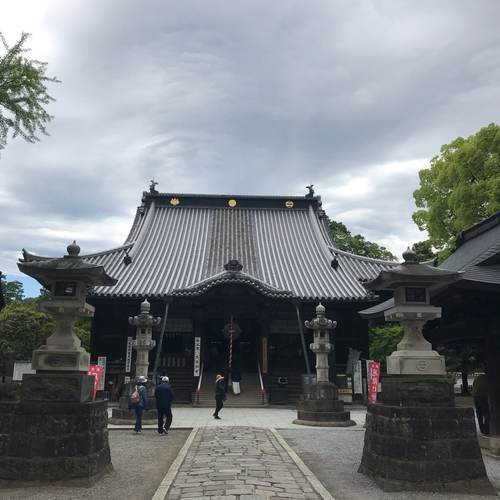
[242, 97]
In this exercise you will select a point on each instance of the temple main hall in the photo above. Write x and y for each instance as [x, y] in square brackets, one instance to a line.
[234, 278]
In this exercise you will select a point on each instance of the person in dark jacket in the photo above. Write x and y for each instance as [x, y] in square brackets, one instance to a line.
[164, 396]
[142, 404]
[220, 394]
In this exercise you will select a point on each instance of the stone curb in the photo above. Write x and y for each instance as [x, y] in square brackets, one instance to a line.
[313, 480]
[162, 491]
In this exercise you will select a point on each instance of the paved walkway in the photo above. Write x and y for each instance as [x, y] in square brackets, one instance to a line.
[241, 463]
[279, 418]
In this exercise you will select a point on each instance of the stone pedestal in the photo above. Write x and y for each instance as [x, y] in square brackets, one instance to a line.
[55, 432]
[418, 440]
[50, 441]
[63, 387]
[320, 407]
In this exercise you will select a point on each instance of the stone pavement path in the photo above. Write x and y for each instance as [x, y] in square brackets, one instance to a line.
[239, 462]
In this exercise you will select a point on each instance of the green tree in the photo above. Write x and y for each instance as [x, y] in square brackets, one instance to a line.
[11, 290]
[424, 251]
[383, 341]
[462, 357]
[23, 93]
[357, 244]
[23, 328]
[461, 187]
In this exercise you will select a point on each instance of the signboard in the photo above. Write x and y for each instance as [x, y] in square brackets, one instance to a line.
[352, 359]
[20, 368]
[101, 361]
[357, 378]
[374, 376]
[128, 358]
[197, 356]
[96, 371]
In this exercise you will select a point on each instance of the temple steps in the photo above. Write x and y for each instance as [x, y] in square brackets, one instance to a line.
[250, 396]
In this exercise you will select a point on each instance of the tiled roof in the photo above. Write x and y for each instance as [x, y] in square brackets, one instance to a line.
[478, 253]
[184, 247]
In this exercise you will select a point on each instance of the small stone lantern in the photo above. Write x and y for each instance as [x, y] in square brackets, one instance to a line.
[143, 341]
[321, 346]
[319, 405]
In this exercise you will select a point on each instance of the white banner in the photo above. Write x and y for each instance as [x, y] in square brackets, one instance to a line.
[128, 357]
[101, 361]
[197, 356]
[356, 379]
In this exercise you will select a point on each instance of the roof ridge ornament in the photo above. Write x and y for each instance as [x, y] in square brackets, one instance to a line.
[233, 266]
[310, 194]
[152, 186]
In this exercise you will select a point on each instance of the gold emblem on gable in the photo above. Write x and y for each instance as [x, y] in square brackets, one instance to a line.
[232, 203]
[174, 201]
[289, 204]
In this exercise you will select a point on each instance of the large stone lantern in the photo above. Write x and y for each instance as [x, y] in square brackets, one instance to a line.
[319, 404]
[411, 282]
[56, 431]
[67, 281]
[416, 439]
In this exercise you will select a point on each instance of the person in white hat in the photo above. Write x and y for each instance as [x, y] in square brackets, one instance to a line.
[164, 396]
[139, 401]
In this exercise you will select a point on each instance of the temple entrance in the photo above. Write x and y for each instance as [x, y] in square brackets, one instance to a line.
[239, 354]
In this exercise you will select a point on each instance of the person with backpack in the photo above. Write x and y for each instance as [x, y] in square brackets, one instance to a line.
[164, 396]
[220, 395]
[139, 401]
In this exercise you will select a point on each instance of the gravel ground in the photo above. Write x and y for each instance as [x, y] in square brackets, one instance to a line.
[140, 462]
[333, 455]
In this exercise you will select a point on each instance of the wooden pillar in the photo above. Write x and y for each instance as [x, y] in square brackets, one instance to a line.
[264, 339]
[493, 374]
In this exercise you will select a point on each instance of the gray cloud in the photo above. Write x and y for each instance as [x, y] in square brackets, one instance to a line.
[254, 97]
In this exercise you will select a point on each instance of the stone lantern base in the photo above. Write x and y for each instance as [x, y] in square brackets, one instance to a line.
[123, 416]
[320, 407]
[417, 440]
[55, 432]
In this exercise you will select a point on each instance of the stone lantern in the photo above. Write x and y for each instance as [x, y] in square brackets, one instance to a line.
[319, 405]
[56, 431]
[143, 341]
[416, 439]
[321, 346]
[411, 282]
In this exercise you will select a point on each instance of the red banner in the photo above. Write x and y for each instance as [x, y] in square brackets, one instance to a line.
[96, 371]
[374, 380]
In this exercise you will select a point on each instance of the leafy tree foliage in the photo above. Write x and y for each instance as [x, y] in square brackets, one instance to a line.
[424, 251]
[383, 341]
[11, 290]
[461, 187]
[23, 93]
[357, 244]
[23, 328]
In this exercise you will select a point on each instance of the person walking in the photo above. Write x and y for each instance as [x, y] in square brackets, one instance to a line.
[220, 395]
[164, 396]
[480, 395]
[139, 402]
